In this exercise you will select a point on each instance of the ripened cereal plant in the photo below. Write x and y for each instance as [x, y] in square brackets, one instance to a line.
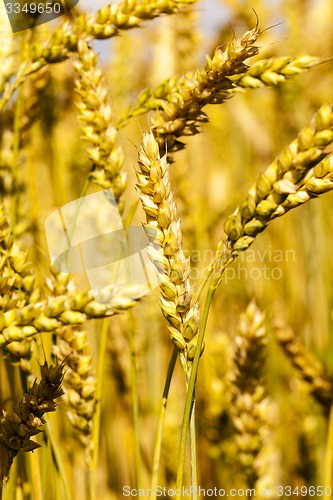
[216, 380]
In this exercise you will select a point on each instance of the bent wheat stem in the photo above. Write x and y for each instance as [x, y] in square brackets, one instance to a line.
[193, 451]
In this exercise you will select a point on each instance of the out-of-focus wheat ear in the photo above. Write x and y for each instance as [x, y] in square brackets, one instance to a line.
[309, 368]
[166, 251]
[300, 172]
[248, 392]
[79, 382]
[71, 347]
[106, 23]
[17, 290]
[20, 425]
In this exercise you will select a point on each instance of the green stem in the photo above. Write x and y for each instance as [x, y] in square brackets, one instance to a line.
[97, 414]
[193, 452]
[131, 214]
[160, 423]
[135, 401]
[220, 261]
[190, 392]
[328, 465]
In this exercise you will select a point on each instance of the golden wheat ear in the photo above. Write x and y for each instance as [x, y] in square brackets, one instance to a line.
[166, 252]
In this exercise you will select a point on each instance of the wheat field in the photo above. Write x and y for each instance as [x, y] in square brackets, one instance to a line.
[198, 128]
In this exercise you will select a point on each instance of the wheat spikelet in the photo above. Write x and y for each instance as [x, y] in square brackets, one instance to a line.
[177, 300]
[272, 71]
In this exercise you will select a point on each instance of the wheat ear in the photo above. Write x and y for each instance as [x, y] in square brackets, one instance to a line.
[163, 228]
[95, 121]
[264, 73]
[183, 114]
[71, 347]
[248, 398]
